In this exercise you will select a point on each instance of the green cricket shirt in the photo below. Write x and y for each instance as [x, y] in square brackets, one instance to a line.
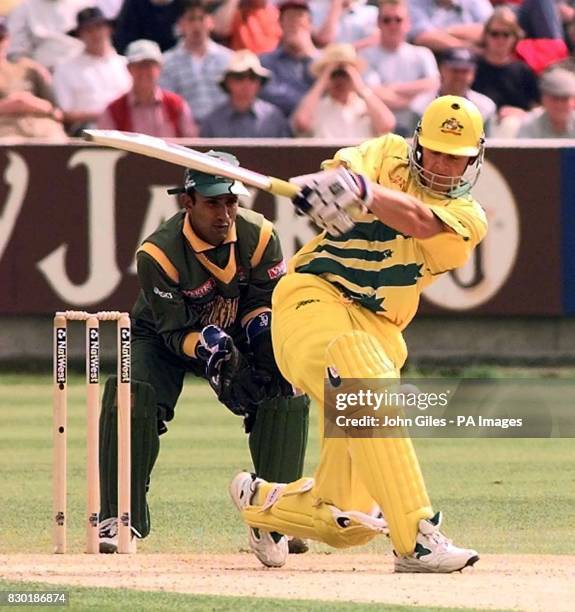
[187, 283]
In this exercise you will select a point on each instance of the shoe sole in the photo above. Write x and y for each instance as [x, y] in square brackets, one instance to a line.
[297, 546]
[428, 570]
[108, 549]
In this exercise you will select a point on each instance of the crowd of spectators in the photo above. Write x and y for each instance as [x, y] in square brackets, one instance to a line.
[331, 69]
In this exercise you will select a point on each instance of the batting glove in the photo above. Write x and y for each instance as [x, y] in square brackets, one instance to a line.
[333, 199]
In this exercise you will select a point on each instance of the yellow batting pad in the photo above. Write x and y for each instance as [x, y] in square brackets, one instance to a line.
[388, 467]
[295, 510]
[359, 355]
[288, 510]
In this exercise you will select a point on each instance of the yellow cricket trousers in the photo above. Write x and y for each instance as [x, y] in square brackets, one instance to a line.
[314, 327]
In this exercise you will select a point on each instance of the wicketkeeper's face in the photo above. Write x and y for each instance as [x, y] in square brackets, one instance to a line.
[212, 217]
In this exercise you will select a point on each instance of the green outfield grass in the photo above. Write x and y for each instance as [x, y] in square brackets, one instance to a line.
[499, 496]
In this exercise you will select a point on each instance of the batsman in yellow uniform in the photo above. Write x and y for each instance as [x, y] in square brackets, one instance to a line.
[395, 217]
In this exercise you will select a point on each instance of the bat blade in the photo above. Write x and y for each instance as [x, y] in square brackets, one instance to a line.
[188, 158]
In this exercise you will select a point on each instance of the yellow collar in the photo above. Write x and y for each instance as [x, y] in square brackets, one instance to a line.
[199, 245]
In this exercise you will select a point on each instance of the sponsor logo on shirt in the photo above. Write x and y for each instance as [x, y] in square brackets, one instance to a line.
[277, 270]
[167, 295]
[202, 290]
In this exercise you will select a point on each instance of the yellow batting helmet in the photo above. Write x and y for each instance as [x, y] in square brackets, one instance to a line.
[453, 125]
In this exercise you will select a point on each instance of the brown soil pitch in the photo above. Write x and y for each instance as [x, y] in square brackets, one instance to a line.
[524, 582]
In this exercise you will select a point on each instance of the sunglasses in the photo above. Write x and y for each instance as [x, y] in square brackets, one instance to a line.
[499, 34]
[243, 76]
[388, 20]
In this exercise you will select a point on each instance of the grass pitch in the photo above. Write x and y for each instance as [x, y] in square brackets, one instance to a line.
[498, 496]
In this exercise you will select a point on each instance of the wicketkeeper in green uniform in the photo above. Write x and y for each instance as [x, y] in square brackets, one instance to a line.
[206, 276]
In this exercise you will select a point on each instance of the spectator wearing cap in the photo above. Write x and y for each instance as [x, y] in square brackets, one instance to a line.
[399, 71]
[340, 104]
[248, 24]
[146, 108]
[444, 24]
[457, 71]
[27, 105]
[147, 19]
[194, 67]
[342, 21]
[39, 30]
[87, 83]
[556, 117]
[289, 63]
[245, 115]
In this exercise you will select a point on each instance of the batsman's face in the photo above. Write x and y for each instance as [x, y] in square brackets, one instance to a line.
[212, 218]
[441, 170]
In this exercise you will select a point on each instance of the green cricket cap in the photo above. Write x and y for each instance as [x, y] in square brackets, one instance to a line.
[210, 185]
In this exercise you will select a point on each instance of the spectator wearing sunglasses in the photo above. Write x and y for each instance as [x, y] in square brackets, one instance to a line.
[399, 71]
[445, 24]
[509, 82]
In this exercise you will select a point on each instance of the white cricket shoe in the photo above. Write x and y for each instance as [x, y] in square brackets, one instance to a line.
[109, 536]
[271, 550]
[434, 553]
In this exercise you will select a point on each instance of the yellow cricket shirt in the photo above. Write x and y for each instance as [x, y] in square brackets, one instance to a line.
[381, 268]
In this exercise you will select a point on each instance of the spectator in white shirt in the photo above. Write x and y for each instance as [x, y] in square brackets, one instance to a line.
[87, 83]
[340, 104]
[399, 70]
[342, 21]
[39, 30]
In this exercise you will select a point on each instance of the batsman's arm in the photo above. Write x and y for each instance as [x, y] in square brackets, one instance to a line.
[467, 223]
[399, 210]
[405, 213]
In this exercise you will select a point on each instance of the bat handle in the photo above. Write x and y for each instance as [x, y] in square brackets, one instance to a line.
[283, 188]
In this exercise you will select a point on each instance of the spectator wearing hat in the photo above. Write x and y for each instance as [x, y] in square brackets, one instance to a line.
[457, 69]
[27, 105]
[245, 115]
[289, 63]
[87, 83]
[248, 24]
[400, 71]
[556, 117]
[342, 21]
[194, 68]
[147, 19]
[39, 30]
[146, 108]
[340, 104]
[444, 24]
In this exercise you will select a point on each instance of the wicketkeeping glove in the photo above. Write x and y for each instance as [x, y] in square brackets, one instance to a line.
[333, 199]
[258, 333]
[228, 371]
